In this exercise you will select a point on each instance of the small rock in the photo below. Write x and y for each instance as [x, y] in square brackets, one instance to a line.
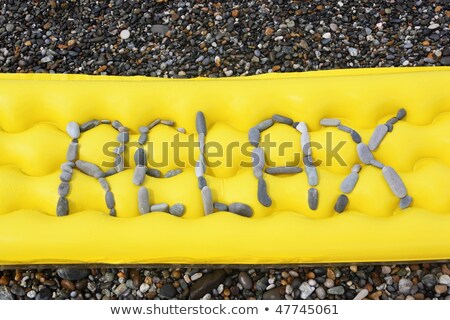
[361, 295]
[328, 122]
[302, 127]
[282, 119]
[89, 168]
[62, 207]
[283, 170]
[356, 168]
[206, 284]
[104, 184]
[160, 207]
[89, 125]
[263, 196]
[123, 137]
[376, 164]
[444, 279]
[140, 157]
[5, 293]
[254, 135]
[349, 183]
[440, 288]
[241, 209]
[274, 294]
[109, 199]
[208, 207]
[220, 206]
[172, 173]
[401, 114]
[168, 291]
[139, 175]
[201, 182]
[72, 151]
[72, 274]
[160, 29]
[341, 203]
[63, 189]
[355, 136]
[344, 128]
[339, 290]
[155, 173]
[143, 200]
[245, 280]
[177, 210]
[73, 129]
[320, 293]
[353, 51]
[404, 286]
[377, 136]
[313, 198]
[311, 173]
[306, 290]
[394, 181]
[264, 125]
[200, 123]
[125, 34]
[364, 153]
[405, 202]
[429, 280]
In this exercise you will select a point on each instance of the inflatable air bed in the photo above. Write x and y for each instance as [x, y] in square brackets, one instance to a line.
[339, 166]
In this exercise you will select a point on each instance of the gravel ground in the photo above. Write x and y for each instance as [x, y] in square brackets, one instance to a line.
[196, 38]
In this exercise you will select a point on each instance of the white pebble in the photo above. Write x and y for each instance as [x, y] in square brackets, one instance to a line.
[326, 35]
[353, 51]
[444, 279]
[125, 34]
[220, 288]
[196, 276]
[228, 73]
[31, 294]
[144, 287]
[433, 26]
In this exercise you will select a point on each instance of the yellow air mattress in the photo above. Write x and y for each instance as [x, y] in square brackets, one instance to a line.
[112, 212]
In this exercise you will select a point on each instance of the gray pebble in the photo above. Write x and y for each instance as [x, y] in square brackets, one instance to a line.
[264, 125]
[405, 202]
[177, 210]
[339, 290]
[201, 142]
[257, 172]
[263, 196]
[89, 168]
[110, 172]
[376, 164]
[355, 136]
[283, 170]
[311, 173]
[65, 176]
[254, 136]
[313, 198]
[105, 121]
[200, 123]
[305, 142]
[200, 167]
[153, 124]
[389, 126]
[143, 130]
[330, 122]
[113, 212]
[356, 168]
[123, 137]
[104, 184]
[341, 203]
[258, 160]
[139, 175]
[67, 167]
[155, 173]
[72, 151]
[120, 149]
[394, 181]
[364, 153]
[181, 130]
[241, 209]
[392, 121]
[349, 183]
[142, 139]
[89, 125]
[73, 129]
[62, 208]
[308, 160]
[119, 163]
[245, 280]
[140, 158]
[201, 182]
[401, 114]
[282, 119]
[220, 206]
[172, 173]
[116, 124]
[208, 207]
[169, 123]
[143, 200]
[63, 189]
[345, 128]
[109, 199]
[377, 136]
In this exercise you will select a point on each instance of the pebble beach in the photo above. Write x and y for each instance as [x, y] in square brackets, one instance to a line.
[187, 39]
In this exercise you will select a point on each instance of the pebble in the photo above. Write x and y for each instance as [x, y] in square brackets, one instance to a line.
[355, 136]
[169, 123]
[143, 130]
[258, 159]
[104, 184]
[313, 198]
[144, 287]
[440, 288]
[155, 173]
[377, 136]
[168, 291]
[125, 34]
[89, 168]
[172, 173]
[116, 124]
[263, 196]
[345, 128]
[274, 293]
[201, 182]
[208, 207]
[376, 164]
[282, 119]
[364, 153]
[89, 125]
[72, 274]
[143, 200]
[305, 142]
[220, 206]
[349, 183]
[311, 173]
[444, 279]
[429, 281]
[142, 139]
[245, 280]
[200, 123]
[356, 168]
[405, 202]
[153, 124]
[401, 114]
[302, 127]
[177, 210]
[283, 170]
[140, 157]
[159, 207]
[31, 294]
[121, 289]
[113, 212]
[404, 286]
[206, 284]
[264, 125]
[339, 290]
[73, 129]
[200, 168]
[320, 293]
[361, 294]
[72, 151]
[196, 276]
[201, 142]
[109, 199]
[306, 290]
[330, 122]
[241, 209]
[254, 136]
[119, 163]
[62, 207]
[394, 181]
[341, 203]
[65, 176]
[123, 137]
[139, 175]
[5, 293]
[63, 189]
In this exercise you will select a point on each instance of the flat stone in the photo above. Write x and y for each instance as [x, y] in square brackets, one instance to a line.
[89, 125]
[200, 123]
[5, 293]
[254, 136]
[68, 167]
[264, 125]
[274, 294]
[172, 173]
[245, 280]
[282, 119]
[116, 124]
[201, 182]
[206, 284]
[394, 182]
[72, 274]
[345, 128]
[330, 122]
[305, 142]
[401, 114]
[258, 159]
[140, 159]
[104, 184]
[155, 173]
[355, 136]
[208, 207]
[177, 209]
[89, 168]
[283, 170]
[311, 173]
[168, 291]
[339, 290]
[321, 293]
[73, 130]
[263, 196]
[169, 123]
[220, 206]
[143, 200]
[143, 130]
[160, 29]
[341, 203]
[444, 279]
[109, 199]
[63, 189]
[62, 207]
[313, 198]
[356, 168]
[405, 202]
[139, 175]
[349, 183]
[159, 207]
[306, 290]
[376, 164]
[153, 124]
[302, 127]
[364, 153]
[65, 176]
[377, 136]
[72, 151]
[405, 286]
[241, 209]
[362, 294]
[123, 137]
